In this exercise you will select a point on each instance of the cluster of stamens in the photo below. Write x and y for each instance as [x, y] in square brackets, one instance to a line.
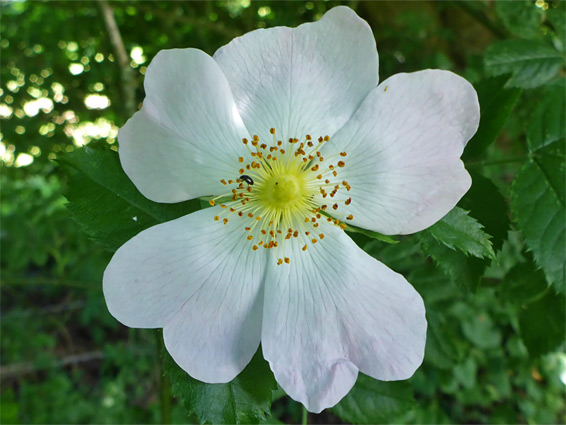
[283, 191]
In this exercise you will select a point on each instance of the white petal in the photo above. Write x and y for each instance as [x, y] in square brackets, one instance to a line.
[304, 80]
[199, 280]
[403, 151]
[187, 136]
[335, 310]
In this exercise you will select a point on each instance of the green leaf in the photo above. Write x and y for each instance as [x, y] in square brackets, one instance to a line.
[547, 124]
[458, 231]
[496, 104]
[462, 270]
[542, 324]
[104, 201]
[244, 400]
[538, 191]
[523, 284]
[531, 62]
[372, 401]
[538, 208]
[521, 17]
[486, 204]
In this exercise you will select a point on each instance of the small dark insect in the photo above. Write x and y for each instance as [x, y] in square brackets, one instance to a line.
[247, 179]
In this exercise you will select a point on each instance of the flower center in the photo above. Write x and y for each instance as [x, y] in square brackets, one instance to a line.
[283, 192]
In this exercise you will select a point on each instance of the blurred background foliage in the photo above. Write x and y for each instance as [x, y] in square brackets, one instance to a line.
[495, 349]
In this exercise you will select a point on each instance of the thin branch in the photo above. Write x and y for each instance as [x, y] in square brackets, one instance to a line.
[18, 369]
[126, 72]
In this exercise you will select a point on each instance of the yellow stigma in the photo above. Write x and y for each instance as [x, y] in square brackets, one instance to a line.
[282, 191]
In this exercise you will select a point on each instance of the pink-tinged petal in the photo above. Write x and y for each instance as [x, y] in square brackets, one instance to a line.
[403, 151]
[304, 80]
[187, 136]
[199, 280]
[335, 310]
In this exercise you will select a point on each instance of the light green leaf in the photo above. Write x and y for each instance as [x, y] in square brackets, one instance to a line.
[244, 400]
[458, 231]
[531, 62]
[372, 401]
[104, 201]
[496, 104]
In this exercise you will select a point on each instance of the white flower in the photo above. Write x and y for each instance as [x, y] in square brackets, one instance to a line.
[270, 262]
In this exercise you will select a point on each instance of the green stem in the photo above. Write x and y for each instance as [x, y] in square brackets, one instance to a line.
[305, 420]
[164, 383]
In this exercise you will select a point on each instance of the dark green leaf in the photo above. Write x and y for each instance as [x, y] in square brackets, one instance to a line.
[531, 62]
[521, 17]
[538, 208]
[538, 191]
[496, 104]
[547, 123]
[104, 201]
[486, 204]
[244, 400]
[542, 324]
[523, 284]
[458, 231]
[462, 270]
[372, 401]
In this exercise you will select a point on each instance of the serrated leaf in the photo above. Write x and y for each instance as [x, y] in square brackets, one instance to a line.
[487, 205]
[244, 400]
[372, 401]
[496, 104]
[104, 201]
[537, 203]
[547, 124]
[531, 62]
[542, 324]
[462, 270]
[538, 191]
[521, 17]
[458, 231]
